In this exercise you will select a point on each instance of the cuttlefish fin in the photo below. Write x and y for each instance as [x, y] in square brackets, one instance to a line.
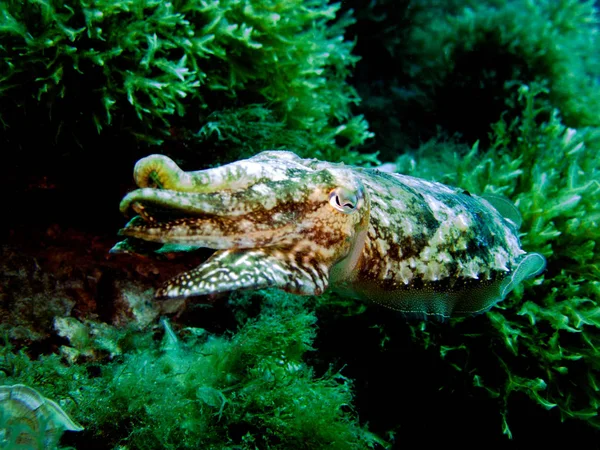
[483, 298]
[477, 299]
[229, 270]
[528, 266]
[505, 207]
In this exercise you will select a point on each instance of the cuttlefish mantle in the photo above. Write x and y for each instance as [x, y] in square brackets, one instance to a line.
[304, 225]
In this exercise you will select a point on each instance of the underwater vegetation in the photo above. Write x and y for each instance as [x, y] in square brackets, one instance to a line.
[102, 83]
[451, 53]
[236, 74]
[545, 341]
[250, 390]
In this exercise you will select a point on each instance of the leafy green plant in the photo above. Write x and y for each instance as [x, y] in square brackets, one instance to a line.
[459, 54]
[160, 69]
[545, 338]
[249, 390]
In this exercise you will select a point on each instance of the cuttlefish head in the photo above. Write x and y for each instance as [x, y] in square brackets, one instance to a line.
[275, 219]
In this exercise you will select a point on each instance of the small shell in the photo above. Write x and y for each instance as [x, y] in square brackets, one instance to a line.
[28, 420]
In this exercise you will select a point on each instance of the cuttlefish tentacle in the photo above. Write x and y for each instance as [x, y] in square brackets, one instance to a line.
[301, 225]
[231, 270]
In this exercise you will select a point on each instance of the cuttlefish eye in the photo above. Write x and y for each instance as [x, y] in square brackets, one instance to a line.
[346, 200]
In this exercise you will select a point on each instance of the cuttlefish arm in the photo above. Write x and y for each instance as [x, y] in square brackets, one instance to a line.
[275, 220]
[302, 225]
[230, 270]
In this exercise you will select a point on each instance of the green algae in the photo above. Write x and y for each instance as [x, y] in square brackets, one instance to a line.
[195, 389]
[545, 336]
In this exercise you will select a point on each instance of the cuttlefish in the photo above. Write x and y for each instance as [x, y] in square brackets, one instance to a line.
[304, 225]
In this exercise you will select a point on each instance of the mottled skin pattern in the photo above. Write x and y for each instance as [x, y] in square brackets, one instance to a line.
[302, 225]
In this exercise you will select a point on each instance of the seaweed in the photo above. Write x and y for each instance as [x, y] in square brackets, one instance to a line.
[424, 60]
[545, 336]
[192, 388]
[149, 72]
